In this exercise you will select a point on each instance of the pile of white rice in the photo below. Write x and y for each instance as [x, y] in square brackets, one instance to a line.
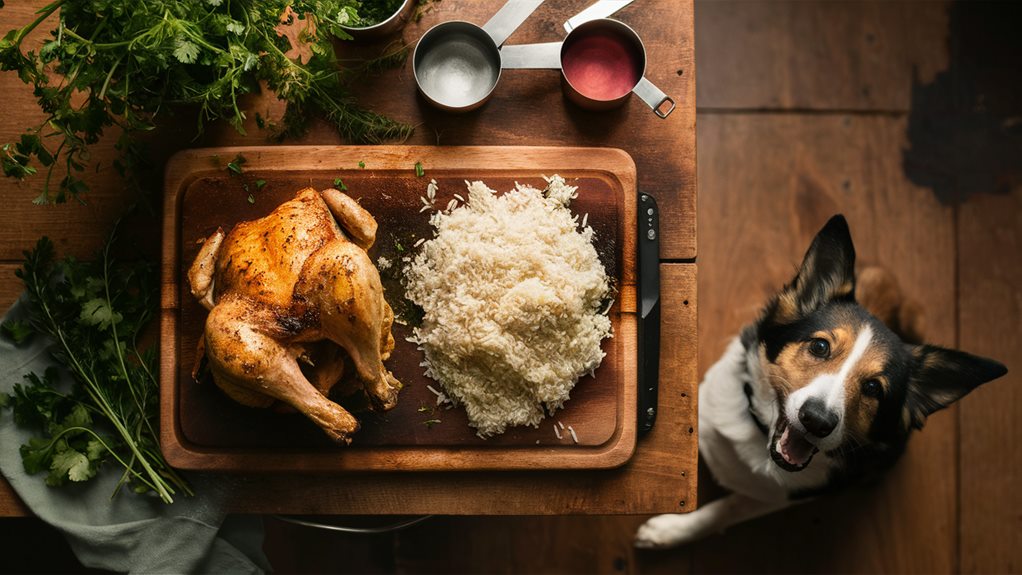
[513, 296]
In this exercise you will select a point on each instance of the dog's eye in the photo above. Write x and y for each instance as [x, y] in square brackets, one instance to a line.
[872, 388]
[819, 347]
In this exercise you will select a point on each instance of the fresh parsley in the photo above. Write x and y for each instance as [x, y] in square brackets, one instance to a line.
[18, 331]
[235, 165]
[125, 65]
[94, 313]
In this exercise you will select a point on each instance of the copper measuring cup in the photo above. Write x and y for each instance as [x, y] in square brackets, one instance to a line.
[602, 62]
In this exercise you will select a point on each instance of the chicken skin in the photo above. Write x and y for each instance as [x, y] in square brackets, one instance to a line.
[294, 287]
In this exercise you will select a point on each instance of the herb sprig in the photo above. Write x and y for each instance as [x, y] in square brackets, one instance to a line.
[94, 312]
[126, 64]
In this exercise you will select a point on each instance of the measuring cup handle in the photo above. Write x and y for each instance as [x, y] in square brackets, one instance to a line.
[531, 56]
[600, 9]
[654, 97]
[509, 18]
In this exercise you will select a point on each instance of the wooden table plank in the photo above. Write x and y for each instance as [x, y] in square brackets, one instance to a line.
[769, 182]
[73, 228]
[990, 419]
[817, 55]
[528, 545]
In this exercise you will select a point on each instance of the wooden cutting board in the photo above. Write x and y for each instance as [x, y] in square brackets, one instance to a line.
[203, 429]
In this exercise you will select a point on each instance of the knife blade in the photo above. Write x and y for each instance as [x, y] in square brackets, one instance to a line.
[649, 311]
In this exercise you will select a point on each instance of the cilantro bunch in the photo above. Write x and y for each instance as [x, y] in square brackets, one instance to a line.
[127, 63]
[94, 313]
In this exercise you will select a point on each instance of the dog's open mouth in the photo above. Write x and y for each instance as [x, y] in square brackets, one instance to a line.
[790, 449]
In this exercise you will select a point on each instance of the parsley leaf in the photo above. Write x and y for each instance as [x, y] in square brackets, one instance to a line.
[234, 166]
[19, 331]
[72, 464]
[185, 51]
[97, 312]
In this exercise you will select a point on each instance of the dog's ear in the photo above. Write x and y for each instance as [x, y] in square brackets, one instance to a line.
[942, 376]
[827, 273]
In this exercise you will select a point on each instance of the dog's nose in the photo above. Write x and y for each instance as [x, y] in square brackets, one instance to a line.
[816, 418]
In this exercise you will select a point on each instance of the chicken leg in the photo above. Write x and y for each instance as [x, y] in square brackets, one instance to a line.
[252, 366]
[340, 281]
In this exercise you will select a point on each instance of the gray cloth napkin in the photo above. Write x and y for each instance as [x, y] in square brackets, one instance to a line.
[131, 533]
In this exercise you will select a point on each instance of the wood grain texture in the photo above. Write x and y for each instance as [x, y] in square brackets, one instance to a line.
[990, 419]
[792, 54]
[75, 229]
[10, 504]
[527, 545]
[200, 429]
[660, 477]
[769, 184]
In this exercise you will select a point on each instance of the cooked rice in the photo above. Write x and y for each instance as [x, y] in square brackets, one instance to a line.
[512, 295]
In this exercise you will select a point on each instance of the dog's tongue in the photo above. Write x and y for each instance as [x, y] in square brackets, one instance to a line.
[794, 448]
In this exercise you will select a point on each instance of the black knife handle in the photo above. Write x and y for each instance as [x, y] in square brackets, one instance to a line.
[649, 310]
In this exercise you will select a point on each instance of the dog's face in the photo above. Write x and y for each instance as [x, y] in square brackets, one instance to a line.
[842, 379]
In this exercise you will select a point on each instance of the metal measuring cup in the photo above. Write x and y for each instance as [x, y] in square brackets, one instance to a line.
[602, 62]
[457, 64]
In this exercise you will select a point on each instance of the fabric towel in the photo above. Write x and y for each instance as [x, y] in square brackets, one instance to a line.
[129, 533]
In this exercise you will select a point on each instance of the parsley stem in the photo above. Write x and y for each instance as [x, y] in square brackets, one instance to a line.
[53, 327]
[113, 327]
[110, 74]
[44, 13]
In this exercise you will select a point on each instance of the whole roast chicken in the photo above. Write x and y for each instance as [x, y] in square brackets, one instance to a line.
[294, 288]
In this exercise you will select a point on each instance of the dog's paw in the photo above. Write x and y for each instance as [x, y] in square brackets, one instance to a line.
[663, 531]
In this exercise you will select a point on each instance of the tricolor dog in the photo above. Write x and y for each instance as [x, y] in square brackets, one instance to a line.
[815, 395]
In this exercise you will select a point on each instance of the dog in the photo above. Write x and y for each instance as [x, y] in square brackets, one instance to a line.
[815, 395]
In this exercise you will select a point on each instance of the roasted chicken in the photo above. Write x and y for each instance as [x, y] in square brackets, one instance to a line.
[295, 287]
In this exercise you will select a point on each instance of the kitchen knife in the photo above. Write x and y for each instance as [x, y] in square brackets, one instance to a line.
[649, 310]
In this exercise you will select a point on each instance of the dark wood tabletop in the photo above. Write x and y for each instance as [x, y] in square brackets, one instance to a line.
[527, 108]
